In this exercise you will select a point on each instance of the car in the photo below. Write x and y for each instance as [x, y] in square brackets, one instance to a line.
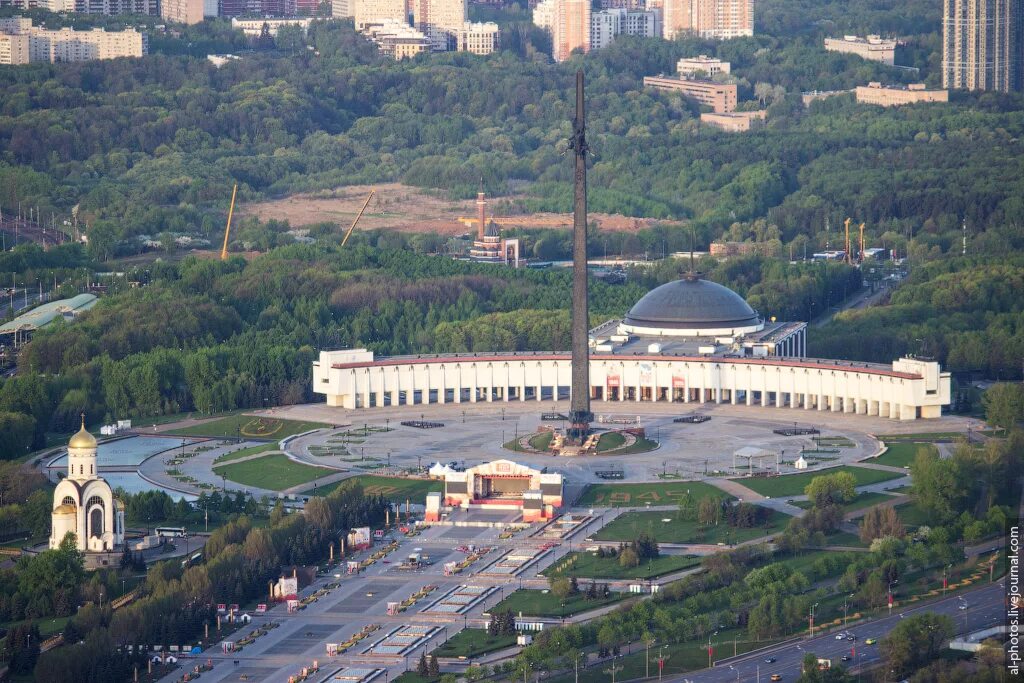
[845, 658]
[850, 636]
[776, 677]
[369, 594]
[870, 641]
[962, 606]
[840, 636]
[770, 660]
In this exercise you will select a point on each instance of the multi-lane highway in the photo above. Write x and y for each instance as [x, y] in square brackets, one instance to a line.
[984, 607]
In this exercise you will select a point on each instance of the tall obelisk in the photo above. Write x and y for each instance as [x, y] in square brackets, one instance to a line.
[579, 414]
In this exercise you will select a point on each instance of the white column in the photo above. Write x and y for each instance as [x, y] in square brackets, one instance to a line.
[458, 384]
[821, 402]
[835, 404]
[894, 410]
[442, 388]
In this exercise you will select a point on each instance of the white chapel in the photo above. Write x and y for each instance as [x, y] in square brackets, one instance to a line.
[83, 502]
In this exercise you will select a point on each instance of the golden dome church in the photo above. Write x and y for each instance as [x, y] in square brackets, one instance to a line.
[83, 502]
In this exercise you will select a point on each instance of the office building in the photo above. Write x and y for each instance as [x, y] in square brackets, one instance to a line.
[895, 95]
[721, 97]
[368, 12]
[708, 66]
[182, 11]
[872, 48]
[478, 38]
[720, 19]
[981, 44]
[733, 121]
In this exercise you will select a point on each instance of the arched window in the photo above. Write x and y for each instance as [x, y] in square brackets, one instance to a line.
[96, 509]
[69, 500]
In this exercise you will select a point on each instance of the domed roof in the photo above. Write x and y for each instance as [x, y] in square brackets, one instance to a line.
[692, 303]
[82, 439]
[64, 509]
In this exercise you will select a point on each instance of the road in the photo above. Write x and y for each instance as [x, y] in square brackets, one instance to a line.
[985, 607]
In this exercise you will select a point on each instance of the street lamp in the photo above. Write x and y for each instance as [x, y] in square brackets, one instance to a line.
[890, 594]
[811, 619]
[710, 651]
[846, 605]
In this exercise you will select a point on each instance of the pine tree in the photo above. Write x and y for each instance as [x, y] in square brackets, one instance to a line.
[434, 669]
[421, 667]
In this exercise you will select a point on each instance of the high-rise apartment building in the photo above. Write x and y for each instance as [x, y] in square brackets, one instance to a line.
[14, 49]
[571, 29]
[607, 24]
[368, 12]
[720, 19]
[182, 11]
[440, 20]
[981, 44]
[110, 7]
[341, 9]
[544, 15]
[478, 38]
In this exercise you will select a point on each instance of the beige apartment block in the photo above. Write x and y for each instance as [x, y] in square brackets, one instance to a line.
[182, 11]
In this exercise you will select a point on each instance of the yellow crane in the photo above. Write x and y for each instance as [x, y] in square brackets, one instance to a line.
[227, 230]
[846, 223]
[860, 256]
[358, 216]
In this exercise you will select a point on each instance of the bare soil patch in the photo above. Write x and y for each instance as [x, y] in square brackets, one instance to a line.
[409, 209]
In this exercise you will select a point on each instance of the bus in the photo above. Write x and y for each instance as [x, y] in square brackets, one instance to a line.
[171, 531]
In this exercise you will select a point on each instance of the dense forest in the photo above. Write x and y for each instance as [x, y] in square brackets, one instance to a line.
[154, 145]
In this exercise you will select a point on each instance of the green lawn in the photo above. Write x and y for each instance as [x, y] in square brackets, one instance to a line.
[473, 642]
[902, 454]
[609, 441]
[592, 567]
[641, 445]
[628, 526]
[274, 472]
[802, 562]
[393, 488]
[248, 427]
[794, 484]
[845, 538]
[863, 500]
[537, 603]
[413, 677]
[541, 441]
[655, 493]
[245, 452]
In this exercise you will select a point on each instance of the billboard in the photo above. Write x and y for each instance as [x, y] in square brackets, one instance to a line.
[360, 538]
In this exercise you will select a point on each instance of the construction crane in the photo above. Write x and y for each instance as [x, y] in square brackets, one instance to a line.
[358, 216]
[227, 230]
[847, 255]
[860, 254]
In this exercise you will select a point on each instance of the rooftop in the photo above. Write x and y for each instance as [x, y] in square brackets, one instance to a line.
[48, 312]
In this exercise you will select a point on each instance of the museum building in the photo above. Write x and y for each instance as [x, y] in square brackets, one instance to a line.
[690, 341]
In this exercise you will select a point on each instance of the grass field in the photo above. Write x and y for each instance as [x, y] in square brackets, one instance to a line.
[272, 472]
[655, 493]
[794, 484]
[536, 603]
[590, 566]
[926, 436]
[244, 453]
[472, 642]
[803, 562]
[628, 526]
[393, 488]
[248, 426]
[863, 500]
[902, 454]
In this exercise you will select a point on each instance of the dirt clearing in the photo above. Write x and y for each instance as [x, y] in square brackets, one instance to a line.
[410, 209]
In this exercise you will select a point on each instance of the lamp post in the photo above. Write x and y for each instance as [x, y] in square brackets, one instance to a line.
[811, 620]
[890, 594]
[710, 651]
[846, 606]
[944, 581]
